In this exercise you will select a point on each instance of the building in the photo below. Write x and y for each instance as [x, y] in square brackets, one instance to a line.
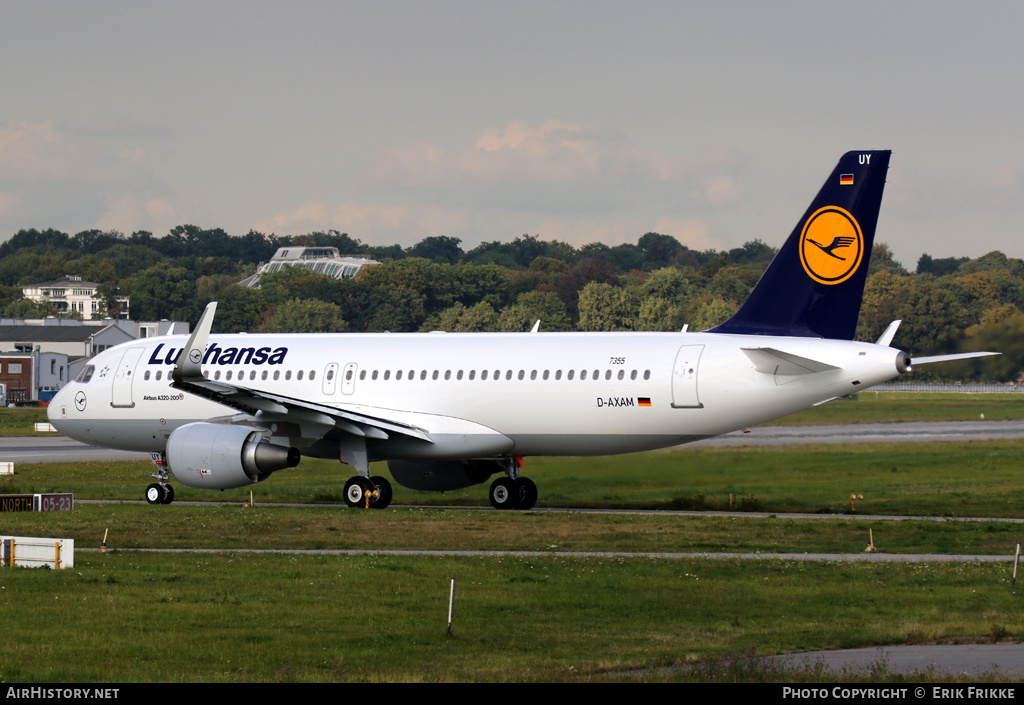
[39, 356]
[70, 293]
[26, 376]
[325, 260]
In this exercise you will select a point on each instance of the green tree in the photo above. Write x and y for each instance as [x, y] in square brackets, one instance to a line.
[604, 307]
[304, 316]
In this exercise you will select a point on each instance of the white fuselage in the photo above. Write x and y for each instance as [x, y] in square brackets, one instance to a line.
[486, 393]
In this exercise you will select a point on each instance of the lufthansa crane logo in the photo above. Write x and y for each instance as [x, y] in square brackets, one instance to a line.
[831, 245]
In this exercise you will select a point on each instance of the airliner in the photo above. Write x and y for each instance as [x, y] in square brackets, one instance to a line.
[452, 410]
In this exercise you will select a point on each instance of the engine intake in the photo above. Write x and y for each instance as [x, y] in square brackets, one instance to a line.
[222, 457]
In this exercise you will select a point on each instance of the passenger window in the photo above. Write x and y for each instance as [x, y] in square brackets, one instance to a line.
[472, 375]
[146, 376]
[447, 374]
[264, 376]
[434, 376]
[330, 375]
[387, 375]
[398, 376]
[362, 375]
[299, 375]
[647, 374]
[545, 374]
[622, 374]
[522, 375]
[288, 374]
[607, 374]
[159, 374]
[423, 375]
[533, 375]
[632, 375]
[583, 374]
[373, 375]
[483, 375]
[458, 375]
[277, 375]
[570, 374]
[348, 375]
[558, 375]
[252, 375]
[312, 375]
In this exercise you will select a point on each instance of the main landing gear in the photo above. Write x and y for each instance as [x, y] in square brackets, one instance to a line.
[520, 493]
[514, 491]
[371, 493]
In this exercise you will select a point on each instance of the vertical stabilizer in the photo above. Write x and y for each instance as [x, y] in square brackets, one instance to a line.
[814, 286]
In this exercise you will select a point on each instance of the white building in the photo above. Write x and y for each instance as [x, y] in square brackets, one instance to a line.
[70, 293]
[325, 260]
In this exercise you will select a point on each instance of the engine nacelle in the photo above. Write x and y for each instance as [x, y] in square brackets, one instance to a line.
[442, 475]
[213, 456]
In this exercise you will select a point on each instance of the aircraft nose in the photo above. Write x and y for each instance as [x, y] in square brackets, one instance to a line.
[57, 408]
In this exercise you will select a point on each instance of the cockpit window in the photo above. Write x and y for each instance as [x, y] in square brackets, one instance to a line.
[86, 374]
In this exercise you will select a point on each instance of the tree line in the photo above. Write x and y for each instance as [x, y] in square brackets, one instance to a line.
[656, 284]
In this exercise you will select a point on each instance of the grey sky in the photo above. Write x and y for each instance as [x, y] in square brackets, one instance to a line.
[714, 122]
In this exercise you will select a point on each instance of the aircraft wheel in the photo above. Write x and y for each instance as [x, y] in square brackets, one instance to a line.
[355, 491]
[527, 493]
[504, 494]
[384, 488]
[155, 494]
[168, 494]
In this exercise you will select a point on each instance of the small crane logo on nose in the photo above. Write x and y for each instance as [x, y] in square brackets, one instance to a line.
[80, 401]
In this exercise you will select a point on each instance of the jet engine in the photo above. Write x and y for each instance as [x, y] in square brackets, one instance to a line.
[215, 456]
[441, 475]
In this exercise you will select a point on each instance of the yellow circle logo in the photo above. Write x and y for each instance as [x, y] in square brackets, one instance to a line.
[831, 245]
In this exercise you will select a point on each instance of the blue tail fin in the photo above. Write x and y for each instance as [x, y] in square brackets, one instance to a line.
[813, 287]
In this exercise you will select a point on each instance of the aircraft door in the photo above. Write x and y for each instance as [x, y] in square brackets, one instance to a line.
[684, 378]
[121, 392]
[348, 380]
[330, 379]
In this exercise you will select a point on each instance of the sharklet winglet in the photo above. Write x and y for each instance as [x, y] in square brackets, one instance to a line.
[189, 367]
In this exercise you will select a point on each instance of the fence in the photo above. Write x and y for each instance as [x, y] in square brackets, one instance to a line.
[966, 388]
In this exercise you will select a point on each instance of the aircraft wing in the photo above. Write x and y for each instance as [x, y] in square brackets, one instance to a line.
[188, 377]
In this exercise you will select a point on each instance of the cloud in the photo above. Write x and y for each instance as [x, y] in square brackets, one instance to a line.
[558, 180]
[376, 224]
[556, 167]
[49, 178]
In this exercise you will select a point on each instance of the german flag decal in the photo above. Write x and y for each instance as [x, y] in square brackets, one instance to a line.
[643, 401]
[846, 179]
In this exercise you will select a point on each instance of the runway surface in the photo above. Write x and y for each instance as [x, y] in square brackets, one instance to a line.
[59, 449]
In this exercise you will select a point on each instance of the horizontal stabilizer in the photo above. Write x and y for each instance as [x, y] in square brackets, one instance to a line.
[776, 362]
[890, 333]
[948, 358]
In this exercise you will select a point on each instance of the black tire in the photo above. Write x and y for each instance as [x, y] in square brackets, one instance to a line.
[355, 491]
[527, 493]
[168, 494]
[504, 494]
[384, 488]
[155, 494]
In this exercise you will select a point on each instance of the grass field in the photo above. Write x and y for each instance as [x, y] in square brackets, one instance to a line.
[232, 616]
